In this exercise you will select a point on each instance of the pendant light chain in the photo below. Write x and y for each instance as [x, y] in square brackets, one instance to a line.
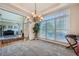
[35, 9]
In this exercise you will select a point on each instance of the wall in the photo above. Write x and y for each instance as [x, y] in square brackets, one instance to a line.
[74, 19]
[26, 29]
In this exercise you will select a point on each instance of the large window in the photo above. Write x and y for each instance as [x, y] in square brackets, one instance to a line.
[56, 26]
[43, 29]
[61, 30]
[10, 24]
[50, 29]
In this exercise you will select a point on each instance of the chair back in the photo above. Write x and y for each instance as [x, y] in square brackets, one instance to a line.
[72, 40]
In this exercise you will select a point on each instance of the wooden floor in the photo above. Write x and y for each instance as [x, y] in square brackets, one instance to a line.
[35, 48]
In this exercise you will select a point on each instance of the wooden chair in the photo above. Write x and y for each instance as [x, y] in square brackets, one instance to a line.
[72, 40]
[77, 49]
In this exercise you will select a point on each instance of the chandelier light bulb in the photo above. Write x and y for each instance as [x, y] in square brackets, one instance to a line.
[28, 17]
[33, 13]
[41, 17]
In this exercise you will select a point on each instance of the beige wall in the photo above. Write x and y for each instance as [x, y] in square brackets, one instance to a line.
[74, 19]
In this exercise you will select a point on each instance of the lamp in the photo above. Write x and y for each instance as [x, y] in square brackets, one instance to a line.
[36, 17]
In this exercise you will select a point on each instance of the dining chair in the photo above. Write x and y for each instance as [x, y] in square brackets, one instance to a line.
[73, 43]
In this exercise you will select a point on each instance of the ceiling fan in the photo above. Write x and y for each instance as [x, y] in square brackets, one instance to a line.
[35, 16]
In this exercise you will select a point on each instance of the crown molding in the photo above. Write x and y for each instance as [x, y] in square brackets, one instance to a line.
[20, 8]
[58, 7]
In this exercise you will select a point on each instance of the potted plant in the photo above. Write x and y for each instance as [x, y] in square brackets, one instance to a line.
[36, 29]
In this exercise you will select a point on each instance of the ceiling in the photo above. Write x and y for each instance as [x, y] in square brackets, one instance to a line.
[28, 8]
[41, 7]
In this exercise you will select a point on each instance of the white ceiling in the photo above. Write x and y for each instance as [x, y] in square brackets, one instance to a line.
[28, 8]
[41, 7]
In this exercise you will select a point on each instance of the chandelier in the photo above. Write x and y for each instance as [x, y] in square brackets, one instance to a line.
[35, 16]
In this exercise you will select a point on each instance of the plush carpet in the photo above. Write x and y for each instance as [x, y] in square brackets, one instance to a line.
[35, 48]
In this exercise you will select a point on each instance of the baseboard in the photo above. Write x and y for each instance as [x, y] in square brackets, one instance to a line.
[56, 42]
